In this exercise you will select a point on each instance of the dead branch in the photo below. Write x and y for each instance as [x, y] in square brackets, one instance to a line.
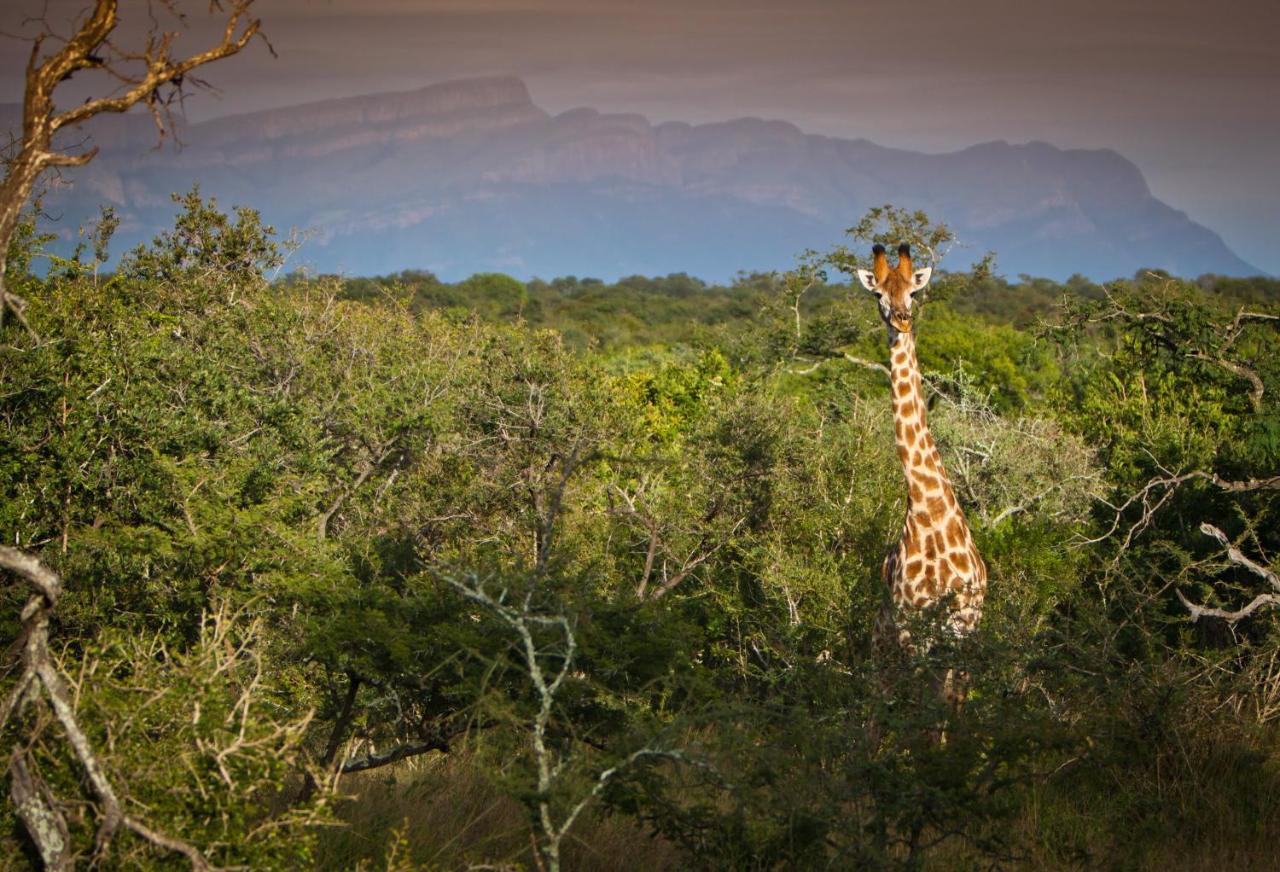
[1236, 556]
[39, 813]
[151, 76]
[1240, 370]
[1198, 612]
[42, 577]
[395, 754]
[1237, 324]
[547, 680]
[1159, 490]
[39, 671]
[869, 364]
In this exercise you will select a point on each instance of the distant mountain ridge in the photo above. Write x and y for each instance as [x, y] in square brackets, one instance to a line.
[471, 175]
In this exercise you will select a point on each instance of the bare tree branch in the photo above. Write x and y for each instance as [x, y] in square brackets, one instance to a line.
[1236, 556]
[549, 762]
[1244, 372]
[42, 577]
[869, 364]
[39, 670]
[1198, 612]
[395, 754]
[156, 85]
[162, 68]
[1237, 324]
[1157, 491]
[38, 812]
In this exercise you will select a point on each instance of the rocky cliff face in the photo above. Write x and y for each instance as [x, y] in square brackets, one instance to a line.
[472, 175]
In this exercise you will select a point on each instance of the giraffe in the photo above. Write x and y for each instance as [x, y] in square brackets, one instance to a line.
[935, 560]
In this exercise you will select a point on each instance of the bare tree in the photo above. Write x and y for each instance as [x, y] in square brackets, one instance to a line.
[548, 664]
[151, 76]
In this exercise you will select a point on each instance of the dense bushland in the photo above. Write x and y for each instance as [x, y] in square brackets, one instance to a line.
[399, 573]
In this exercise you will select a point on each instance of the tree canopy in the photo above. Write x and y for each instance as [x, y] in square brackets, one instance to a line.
[589, 570]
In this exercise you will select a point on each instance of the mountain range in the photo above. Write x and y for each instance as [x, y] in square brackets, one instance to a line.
[471, 175]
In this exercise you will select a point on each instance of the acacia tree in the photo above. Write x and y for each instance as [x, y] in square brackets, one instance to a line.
[1193, 448]
[150, 75]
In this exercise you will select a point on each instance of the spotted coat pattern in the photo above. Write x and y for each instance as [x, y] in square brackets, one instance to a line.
[935, 560]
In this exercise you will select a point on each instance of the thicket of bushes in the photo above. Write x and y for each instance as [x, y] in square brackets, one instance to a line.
[504, 573]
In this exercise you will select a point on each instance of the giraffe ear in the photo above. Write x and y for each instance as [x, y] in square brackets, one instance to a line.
[920, 278]
[868, 279]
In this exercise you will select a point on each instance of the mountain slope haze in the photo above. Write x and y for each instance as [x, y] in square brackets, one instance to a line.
[472, 175]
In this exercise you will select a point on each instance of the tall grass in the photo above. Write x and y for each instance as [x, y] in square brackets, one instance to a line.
[440, 812]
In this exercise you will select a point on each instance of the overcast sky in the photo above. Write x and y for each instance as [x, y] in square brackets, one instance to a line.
[1187, 89]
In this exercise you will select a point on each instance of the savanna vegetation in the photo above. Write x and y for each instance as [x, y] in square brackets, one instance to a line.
[313, 572]
[393, 573]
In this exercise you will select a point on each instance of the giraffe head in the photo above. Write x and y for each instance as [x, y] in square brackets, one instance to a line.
[894, 287]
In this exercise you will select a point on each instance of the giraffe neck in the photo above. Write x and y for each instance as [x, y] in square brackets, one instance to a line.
[927, 482]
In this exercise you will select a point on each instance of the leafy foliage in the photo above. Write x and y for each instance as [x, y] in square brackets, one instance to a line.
[696, 485]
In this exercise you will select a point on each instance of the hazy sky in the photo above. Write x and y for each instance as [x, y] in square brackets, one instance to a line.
[1188, 89]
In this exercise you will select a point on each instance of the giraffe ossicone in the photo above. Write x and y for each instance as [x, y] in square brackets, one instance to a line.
[934, 562]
